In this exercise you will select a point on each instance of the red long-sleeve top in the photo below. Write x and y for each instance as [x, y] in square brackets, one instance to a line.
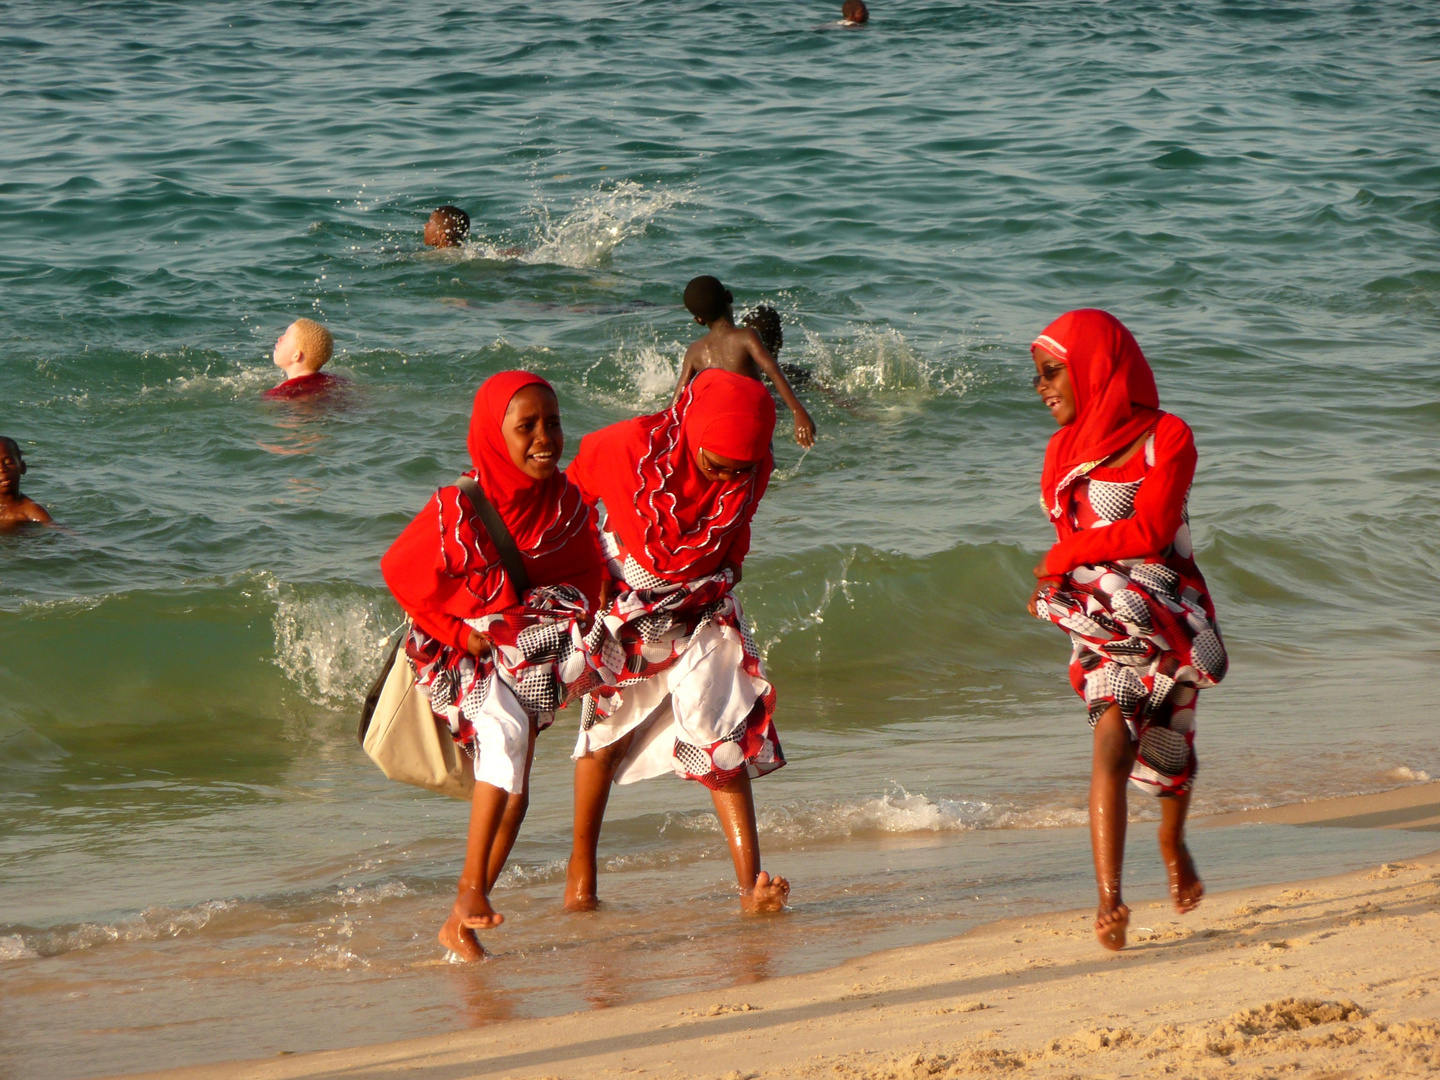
[1159, 505]
[443, 570]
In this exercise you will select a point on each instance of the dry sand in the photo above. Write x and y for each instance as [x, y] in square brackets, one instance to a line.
[1337, 977]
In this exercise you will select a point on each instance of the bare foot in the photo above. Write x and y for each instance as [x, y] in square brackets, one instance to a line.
[1186, 888]
[460, 941]
[769, 894]
[580, 894]
[1110, 926]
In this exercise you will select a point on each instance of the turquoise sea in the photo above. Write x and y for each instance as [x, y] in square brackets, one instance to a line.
[196, 860]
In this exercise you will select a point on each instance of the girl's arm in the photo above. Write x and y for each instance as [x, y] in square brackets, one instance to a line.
[414, 569]
[1159, 509]
[804, 426]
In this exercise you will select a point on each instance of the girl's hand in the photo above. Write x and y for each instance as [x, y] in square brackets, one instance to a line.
[804, 429]
[1044, 579]
[607, 592]
[478, 645]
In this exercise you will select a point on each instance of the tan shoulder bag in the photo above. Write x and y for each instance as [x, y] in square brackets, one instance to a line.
[397, 728]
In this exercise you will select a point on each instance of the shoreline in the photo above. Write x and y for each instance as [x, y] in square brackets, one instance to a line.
[1309, 975]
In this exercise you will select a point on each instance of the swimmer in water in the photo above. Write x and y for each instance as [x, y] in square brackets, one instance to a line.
[734, 349]
[765, 321]
[16, 509]
[855, 13]
[448, 227]
[301, 352]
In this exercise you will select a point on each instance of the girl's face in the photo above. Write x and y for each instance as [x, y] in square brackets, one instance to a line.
[719, 469]
[1052, 383]
[532, 432]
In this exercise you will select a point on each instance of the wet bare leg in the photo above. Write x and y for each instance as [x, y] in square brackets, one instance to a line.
[1186, 889]
[594, 773]
[735, 807]
[472, 910]
[1113, 758]
[510, 821]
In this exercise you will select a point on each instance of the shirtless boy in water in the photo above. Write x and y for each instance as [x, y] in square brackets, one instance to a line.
[734, 349]
[15, 509]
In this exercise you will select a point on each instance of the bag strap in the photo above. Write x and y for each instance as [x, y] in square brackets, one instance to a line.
[499, 534]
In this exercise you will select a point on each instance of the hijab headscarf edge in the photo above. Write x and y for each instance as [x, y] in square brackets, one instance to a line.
[1115, 396]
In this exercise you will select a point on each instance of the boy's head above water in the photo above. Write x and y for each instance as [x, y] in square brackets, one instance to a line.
[12, 466]
[855, 11]
[303, 349]
[448, 227]
[765, 321]
[707, 299]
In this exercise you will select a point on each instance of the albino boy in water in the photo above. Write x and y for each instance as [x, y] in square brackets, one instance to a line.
[300, 353]
[15, 508]
[734, 349]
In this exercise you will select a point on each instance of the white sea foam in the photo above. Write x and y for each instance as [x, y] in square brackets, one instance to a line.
[1407, 774]
[13, 947]
[223, 376]
[598, 224]
[152, 924]
[519, 876]
[330, 645]
[637, 376]
[877, 365]
[360, 895]
[895, 811]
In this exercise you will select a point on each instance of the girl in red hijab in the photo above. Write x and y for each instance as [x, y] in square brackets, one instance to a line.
[683, 689]
[496, 664]
[1121, 580]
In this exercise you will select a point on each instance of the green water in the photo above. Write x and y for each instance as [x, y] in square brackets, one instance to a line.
[1253, 187]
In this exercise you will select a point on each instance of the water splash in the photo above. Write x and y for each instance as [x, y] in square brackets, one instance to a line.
[330, 645]
[877, 365]
[638, 376]
[598, 224]
[804, 620]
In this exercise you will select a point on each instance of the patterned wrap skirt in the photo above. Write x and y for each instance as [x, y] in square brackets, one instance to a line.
[677, 664]
[1142, 638]
[490, 704]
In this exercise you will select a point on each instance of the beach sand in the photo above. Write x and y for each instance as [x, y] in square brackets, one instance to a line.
[1334, 977]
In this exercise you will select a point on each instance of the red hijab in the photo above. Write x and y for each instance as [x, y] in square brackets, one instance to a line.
[673, 519]
[546, 517]
[1115, 396]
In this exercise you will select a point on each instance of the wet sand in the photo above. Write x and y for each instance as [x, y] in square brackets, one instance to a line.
[1334, 974]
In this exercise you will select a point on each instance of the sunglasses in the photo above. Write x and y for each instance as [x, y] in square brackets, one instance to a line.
[1050, 374]
[727, 471]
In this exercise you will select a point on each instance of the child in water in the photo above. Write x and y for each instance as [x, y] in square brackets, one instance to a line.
[300, 353]
[729, 347]
[16, 509]
[765, 321]
[1122, 582]
[854, 13]
[449, 226]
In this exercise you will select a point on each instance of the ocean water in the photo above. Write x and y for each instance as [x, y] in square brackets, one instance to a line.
[196, 860]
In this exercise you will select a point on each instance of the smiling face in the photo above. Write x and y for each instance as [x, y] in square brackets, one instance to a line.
[719, 469]
[12, 467]
[532, 432]
[1052, 383]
